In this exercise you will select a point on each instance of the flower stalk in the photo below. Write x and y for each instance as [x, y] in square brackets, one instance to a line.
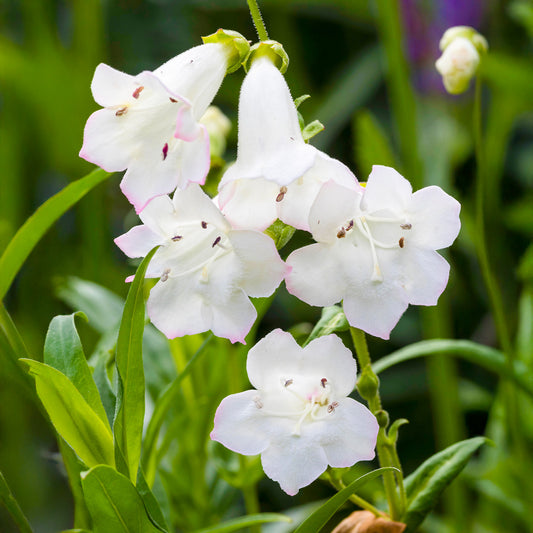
[368, 386]
[259, 24]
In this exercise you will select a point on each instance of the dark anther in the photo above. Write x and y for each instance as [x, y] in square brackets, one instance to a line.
[323, 382]
[401, 242]
[164, 275]
[406, 226]
[216, 241]
[165, 151]
[291, 138]
[173, 100]
[137, 92]
[281, 195]
[332, 406]
[121, 111]
[341, 233]
[350, 225]
[177, 238]
[288, 382]
[204, 224]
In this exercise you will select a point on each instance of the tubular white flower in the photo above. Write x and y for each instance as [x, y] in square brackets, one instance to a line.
[299, 418]
[206, 270]
[276, 175]
[150, 123]
[376, 250]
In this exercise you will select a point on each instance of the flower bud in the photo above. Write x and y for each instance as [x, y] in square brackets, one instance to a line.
[461, 48]
[366, 522]
[368, 383]
[237, 45]
[218, 127]
[382, 417]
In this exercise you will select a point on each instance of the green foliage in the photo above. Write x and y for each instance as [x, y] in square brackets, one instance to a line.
[10, 503]
[128, 423]
[331, 321]
[280, 233]
[245, 521]
[114, 503]
[36, 226]
[315, 522]
[425, 485]
[71, 415]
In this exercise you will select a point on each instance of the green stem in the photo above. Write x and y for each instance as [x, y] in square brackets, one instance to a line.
[253, 6]
[361, 502]
[495, 297]
[383, 442]
[251, 499]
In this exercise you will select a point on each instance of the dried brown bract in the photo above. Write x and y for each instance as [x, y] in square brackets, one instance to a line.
[367, 522]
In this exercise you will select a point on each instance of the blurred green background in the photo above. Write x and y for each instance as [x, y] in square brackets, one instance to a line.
[338, 52]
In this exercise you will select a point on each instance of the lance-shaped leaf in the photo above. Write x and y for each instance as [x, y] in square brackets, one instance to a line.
[71, 415]
[63, 351]
[315, 522]
[38, 224]
[8, 501]
[114, 503]
[425, 485]
[236, 524]
[129, 417]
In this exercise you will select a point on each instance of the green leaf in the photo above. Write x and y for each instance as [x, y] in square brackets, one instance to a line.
[63, 351]
[114, 503]
[318, 519]
[312, 129]
[372, 147]
[300, 100]
[71, 415]
[150, 503]
[425, 485]
[280, 233]
[8, 501]
[245, 521]
[128, 425]
[332, 320]
[489, 358]
[36, 226]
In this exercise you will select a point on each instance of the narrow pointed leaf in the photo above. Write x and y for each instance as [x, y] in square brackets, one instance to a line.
[8, 501]
[129, 417]
[484, 356]
[319, 518]
[63, 351]
[38, 224]
[71, 415]
[150, 503]
[245, 521]
[114, 503]
[332, 320]
[425, 485]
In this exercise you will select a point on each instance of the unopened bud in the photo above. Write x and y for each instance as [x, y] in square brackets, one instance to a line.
[382, 417]
[218, 127]
[368, 383]
[367, 522]
[461, 48]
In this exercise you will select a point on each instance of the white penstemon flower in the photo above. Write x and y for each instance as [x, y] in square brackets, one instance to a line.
[150, 123]
[276, 175]
[376, 250]
[206, 269]
[299, 418]
[461, 48]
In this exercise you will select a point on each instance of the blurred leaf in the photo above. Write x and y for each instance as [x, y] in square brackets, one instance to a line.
[8, 501]
[71, 415]
[332, 320]
[280, 233]
[165, 401]
[64, 352]
[524, 334]
[244, 521]
[522, 12]
[426, 484]
[128, 424]
[107, 395]
[315, 522]
[371, 144]
[114, 503]
[36, 226]
[484, 356]
[508, 73]
[150, 503]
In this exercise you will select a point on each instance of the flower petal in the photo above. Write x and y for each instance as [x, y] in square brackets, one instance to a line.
[351, 434]
[111, 87]
[316, 275]
[435, 218]
[138, 241]
[249, 203]
[262, 268]
[386, 190]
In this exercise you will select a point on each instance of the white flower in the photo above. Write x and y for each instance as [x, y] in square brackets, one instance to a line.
[461, 47]
[276, 175]
[375, 250]
[207, 270]
[299, 418]
[150, 125]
